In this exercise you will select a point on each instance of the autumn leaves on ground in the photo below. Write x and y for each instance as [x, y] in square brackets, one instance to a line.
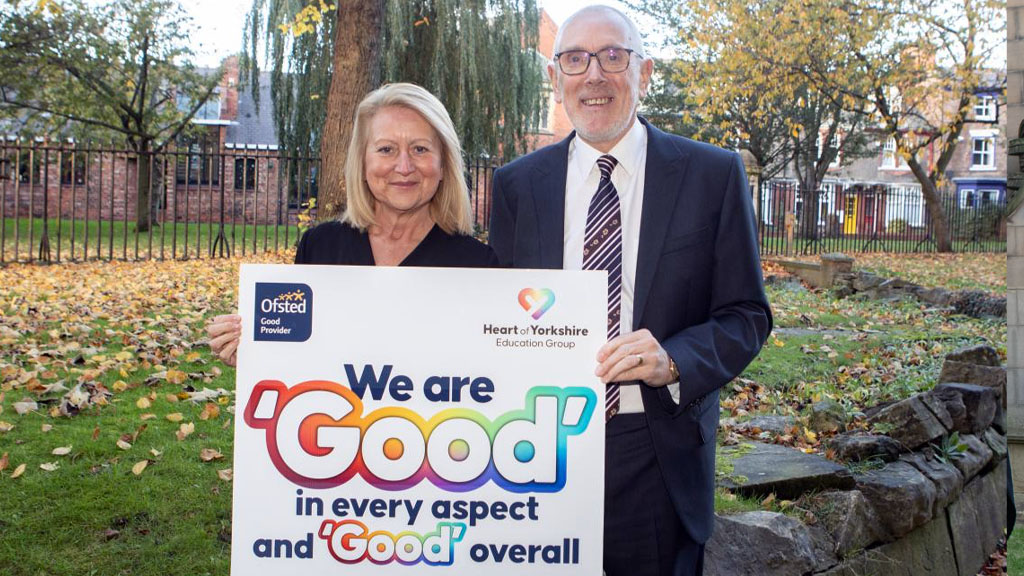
[116, 422]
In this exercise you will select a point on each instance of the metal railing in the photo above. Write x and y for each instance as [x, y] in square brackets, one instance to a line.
[63, 203]
[857, 217]
[66, 203]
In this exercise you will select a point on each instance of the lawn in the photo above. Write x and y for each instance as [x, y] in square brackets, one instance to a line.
[121, 460]
[76, 240]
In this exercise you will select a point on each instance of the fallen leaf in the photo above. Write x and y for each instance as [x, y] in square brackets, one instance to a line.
[46, 427]
[139, 467]
[209, 454]
[210, 410]
[120, 386]
[175, 417]
[18, 471]
[95, 433]
[143, 403]
[111, 534]
[123, 445]
[6, 426]
[4, 462]
[147, 416]
[61, 451]
[176, 376]
[25, 406]
[50, 466]
[226, 475]
[172, 398]
[185, 430]
[156, 453]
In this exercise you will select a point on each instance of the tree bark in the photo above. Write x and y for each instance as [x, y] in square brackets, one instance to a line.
[936, 215]
[356, 71]
[143, 196]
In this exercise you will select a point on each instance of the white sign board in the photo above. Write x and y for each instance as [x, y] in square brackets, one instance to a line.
[394, 418]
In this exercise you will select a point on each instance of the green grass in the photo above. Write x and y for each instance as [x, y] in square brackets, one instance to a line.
[20, 239]
[175, 517]
[1015, 552]
[856, 351]
[177, 510]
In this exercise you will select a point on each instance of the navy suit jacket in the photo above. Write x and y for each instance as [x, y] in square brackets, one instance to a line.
[698, 287]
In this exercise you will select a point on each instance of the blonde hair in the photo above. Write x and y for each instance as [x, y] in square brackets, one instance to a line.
[449, 207]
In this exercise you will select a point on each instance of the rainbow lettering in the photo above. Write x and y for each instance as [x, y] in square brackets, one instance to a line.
[349, 543]
[317, 437]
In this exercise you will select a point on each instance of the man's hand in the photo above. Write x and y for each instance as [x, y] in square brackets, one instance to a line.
[225, 331]
[634, 356]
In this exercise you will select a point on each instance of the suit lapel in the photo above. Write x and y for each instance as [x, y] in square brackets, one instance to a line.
[663, 187]
[548, 185]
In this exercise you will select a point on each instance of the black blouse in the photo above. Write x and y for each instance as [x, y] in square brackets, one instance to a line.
[339, 243]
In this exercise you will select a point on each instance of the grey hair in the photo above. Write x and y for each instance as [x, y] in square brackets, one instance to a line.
[635, 38]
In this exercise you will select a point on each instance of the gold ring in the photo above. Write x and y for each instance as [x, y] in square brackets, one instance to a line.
[639, 359]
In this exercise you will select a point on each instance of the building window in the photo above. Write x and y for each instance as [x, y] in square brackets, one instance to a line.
[542, 123]
[245, 173]
[967, 198]
[72, 168]
[983, 153]
[834, 144]
[200, 162]
[31, 175]
[210, 110]
[985, 107]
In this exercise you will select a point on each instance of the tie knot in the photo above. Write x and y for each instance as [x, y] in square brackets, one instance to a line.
[606, 164]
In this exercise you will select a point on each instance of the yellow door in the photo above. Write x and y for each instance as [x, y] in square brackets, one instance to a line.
[850, 215]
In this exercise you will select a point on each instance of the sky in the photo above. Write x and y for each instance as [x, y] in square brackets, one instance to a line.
[218, 23]
[218, 26]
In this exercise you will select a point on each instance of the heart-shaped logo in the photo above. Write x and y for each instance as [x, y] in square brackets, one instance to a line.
[536, 301]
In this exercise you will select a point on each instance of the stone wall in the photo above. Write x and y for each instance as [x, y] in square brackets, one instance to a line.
[1015, 250]
[922, 491]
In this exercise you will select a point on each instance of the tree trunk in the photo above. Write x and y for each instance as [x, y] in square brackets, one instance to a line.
[356, 72]
[936, 214]
[143, 188]
[808, 223]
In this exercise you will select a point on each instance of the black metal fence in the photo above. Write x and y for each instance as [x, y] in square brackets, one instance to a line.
[65, 203]
[480, 179]
[855, 217]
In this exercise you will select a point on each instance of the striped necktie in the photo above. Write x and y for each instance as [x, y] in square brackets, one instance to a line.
[602, 250]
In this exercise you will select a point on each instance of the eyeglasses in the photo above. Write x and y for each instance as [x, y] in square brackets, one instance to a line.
[611, 60]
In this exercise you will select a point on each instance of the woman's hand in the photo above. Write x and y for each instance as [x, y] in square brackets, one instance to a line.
[225, 331]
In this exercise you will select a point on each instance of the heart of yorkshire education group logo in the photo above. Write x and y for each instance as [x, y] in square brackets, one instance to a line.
[536, 301]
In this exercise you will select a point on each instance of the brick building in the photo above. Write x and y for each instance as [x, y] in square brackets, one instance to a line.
[878, 194]
[230, 160]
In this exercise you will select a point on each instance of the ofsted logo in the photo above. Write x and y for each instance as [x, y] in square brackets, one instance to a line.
[284, 312]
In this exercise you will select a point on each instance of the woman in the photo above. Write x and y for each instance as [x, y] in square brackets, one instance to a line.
[407, 201]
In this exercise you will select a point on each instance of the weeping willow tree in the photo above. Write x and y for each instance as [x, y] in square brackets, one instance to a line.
[478, 56]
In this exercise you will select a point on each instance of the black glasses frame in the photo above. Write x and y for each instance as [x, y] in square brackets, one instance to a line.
[600, 61]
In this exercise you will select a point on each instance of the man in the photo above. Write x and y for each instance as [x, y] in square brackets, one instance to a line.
[671, 220]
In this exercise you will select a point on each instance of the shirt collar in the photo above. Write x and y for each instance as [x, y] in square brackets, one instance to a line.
[628, 151]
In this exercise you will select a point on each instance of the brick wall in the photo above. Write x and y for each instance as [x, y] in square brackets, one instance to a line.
[106, 189]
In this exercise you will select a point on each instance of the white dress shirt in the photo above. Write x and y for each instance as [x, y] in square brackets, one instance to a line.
[581, 181]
